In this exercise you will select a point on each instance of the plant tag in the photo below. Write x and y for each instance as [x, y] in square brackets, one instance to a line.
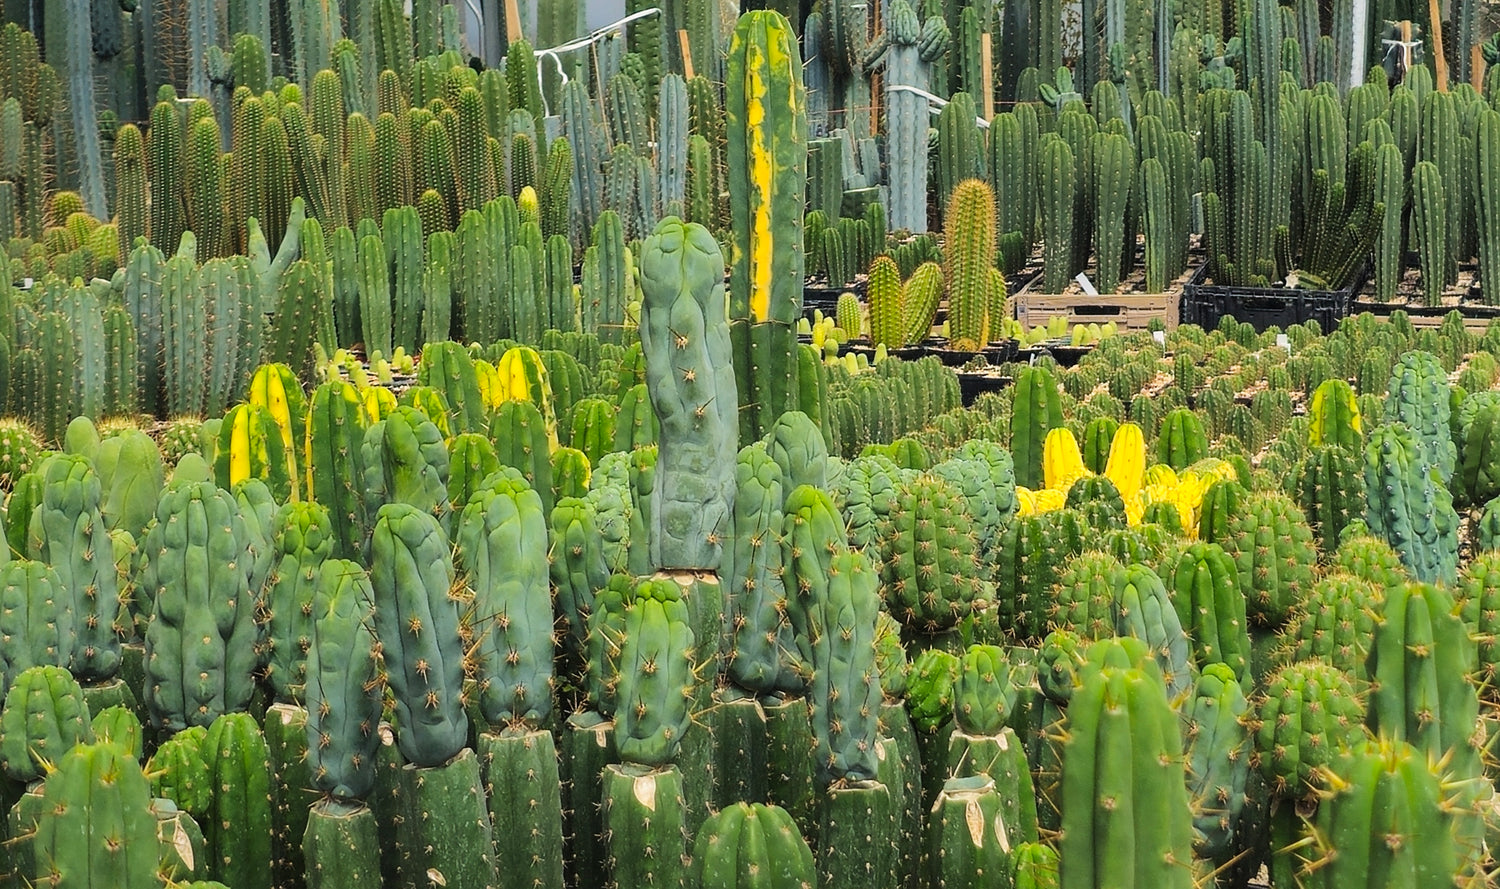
[1283, 342]
[1160, 336]
[1086, 284]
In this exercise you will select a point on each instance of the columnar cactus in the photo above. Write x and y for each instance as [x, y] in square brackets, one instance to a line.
[685, 339]
[760, 628]
[1418, 395]
[502, 549]
[95, 825]
[1408, 504]
[44, 716]
[1057, 184]
[200, 644]
[1272, 547]
[929, 566]
[969, 254]
[1037, 411]
[417, 622]
[767, 160]
[302, 540]
[1218, 750]
[1124, 804]
[845, 689]
[238, 824]
[750, 845]
[342, 690]
[654, 712]
[1385, 814]
[1206, 593]
[67, 532]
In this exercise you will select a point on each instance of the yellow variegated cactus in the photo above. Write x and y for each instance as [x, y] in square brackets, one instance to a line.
[378, 402]
[1062, 461]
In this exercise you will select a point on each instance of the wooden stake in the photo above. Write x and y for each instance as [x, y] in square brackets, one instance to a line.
[512, 21]
[1476, 68]
[986, 78]
[1439, 61]
[687, 55]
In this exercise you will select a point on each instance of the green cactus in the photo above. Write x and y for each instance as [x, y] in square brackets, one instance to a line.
[1217, 751]
[1057, 184]
[1124, 804]
[1419, 665]
[930, 587]
[1391, 784]
[1272, 546]
[1418, 395]
[654, 708]
[752, 569]
[302, 539]
[1205, 587]
[969, 228]
[1329, 486]
[689, 375]
[748, 845]
[1309, 712]
[180, 773]
[44, 716]
[95, 826]
[845, 691]
[342, 690]
[1408, 505]
[417, 622]
[501, 541]
[201, 640]
[1037, 411]
[239, 818]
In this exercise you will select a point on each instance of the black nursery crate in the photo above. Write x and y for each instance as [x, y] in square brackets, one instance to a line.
[1265, 307]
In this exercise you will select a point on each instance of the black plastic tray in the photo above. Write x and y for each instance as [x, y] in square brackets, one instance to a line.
[1265, 307]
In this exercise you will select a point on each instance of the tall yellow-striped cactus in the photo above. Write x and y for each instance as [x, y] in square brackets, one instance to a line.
[766, 110]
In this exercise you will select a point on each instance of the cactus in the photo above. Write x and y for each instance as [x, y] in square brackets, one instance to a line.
[845, 690]
[689, 375]
[931, 587]
[1057, 183]
[1038, 410]
[653, 712]
[239, 818]
[767, 160]
[1218, 764]
[1113, 180]
[1329, 487]
[44, 716]
[342, 685]
[200, 643]
[750, 844]
[67, 531]
[1347, 847]
[417, 621]
[1408, 505]
[512, 601]
[1272, 546]
[36, 619]
[302, 538]
[1206, 593]
[1121, 777]
[1418, 396]
[95, 825]
[969, 227]
[1419, 666]
[1310, 711]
